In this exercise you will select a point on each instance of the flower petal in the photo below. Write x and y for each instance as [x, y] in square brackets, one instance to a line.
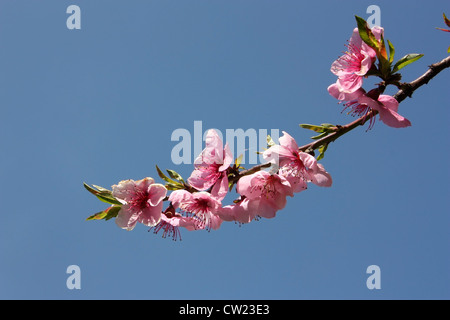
[157, 193]
[228, 158]
[288, 142]
[151, 216]
[179, 196]
[124, 190]
[389, 102]
[126, 218]
[321, 177]
[220, 189]
[393, 119]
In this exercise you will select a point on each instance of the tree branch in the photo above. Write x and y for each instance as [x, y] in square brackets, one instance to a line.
[408, 88]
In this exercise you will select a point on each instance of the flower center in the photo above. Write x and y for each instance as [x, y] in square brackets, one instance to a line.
[357, 109]
[139, 200]
[350, 61]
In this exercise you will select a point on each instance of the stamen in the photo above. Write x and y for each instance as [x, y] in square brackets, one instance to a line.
[168, 230]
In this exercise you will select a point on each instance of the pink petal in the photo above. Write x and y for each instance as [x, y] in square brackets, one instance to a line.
[350, 82]
[228, 159]
[126, 218]
[213, 204]
[335, 91]
[389, 102]
[215, 222]
[124, 190]
[179, 196]
[151, 216]
[268, 209]
[298, 184]
[277, 155]
[144, 184]
[244, 186]
[308, 160]
[220, 189]
[393, 119]
[157, 193]
[321, 177]
[355, 39]
[203, 178]
[288, 142]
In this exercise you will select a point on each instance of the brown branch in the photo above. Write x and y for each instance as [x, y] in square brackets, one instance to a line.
[408, 88]
[406, 91]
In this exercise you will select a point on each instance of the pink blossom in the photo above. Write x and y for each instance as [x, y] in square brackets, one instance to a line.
[354, 64]
[297, 167]
[142, 202]
[200, 205]
[265, 194]
[211, 165]
[361, 103]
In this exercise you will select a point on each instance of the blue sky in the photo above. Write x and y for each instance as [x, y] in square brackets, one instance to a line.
[99, 105]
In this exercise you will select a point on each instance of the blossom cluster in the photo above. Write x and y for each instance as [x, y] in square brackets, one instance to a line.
[199, 205]
[351, 68]
[199, 202]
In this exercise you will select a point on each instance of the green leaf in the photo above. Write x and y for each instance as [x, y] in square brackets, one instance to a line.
[366, 34]
[174, 175]
[108, 198]
[163, 176]
[409, 58]
[97, 216]
[447, 21]
[270, 142]
[322, 150]
[107, 214]
[90, 189]
[102, 194]
[313, 127]
[101, 188]
[174, 186]
[322, 135]
[391, 51]
[238, 161]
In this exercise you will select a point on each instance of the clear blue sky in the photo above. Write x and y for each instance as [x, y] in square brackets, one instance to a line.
[99, 105]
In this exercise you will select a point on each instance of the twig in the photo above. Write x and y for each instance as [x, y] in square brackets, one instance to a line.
[406, 91]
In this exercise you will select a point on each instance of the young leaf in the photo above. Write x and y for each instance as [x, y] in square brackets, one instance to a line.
[322, 150]
[322, 135]
[238, 161]
[447, 21]
[270, 142]
[101, 189]
[97, 216]
[366, 34]
[163, 176]
[90, 189]
[312, 127]
[174, 186]
[107, 214]
[108, 198]
[102, 194]
[391, 52]
[403, 62]
[174, 175]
